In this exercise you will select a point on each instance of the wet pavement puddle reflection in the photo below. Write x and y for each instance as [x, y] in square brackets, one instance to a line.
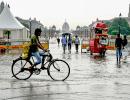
[91, 78]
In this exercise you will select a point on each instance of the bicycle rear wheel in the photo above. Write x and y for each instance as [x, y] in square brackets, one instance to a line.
[59, 70]
[20, 69]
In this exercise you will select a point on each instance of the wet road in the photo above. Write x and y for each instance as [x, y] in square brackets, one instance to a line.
[91, 78]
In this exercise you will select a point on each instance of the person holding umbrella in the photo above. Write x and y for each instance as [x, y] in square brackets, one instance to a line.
[69, 43]
[64, 43]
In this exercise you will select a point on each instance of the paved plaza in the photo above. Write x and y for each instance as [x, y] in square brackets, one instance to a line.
[91, 78]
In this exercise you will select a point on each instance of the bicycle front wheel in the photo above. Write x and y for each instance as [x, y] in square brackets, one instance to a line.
[20, 69]
[59, 70]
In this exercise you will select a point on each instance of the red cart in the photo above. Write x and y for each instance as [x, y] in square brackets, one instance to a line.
[100, 41]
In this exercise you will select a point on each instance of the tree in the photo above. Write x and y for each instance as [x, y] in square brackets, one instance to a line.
[108, 23]
[119, 23]
[7, 34]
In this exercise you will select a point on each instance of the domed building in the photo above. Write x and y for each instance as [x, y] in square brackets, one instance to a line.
[54, 27]
[65, 27]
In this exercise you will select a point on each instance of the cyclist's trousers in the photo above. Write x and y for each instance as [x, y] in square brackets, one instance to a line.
[38, 56]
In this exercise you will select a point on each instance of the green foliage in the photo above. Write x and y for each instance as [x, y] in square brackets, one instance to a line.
[108, 23]
[119, 23]
[6, 32]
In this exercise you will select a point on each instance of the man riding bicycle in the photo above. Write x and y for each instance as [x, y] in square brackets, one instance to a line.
[23, 68]
[35, 44]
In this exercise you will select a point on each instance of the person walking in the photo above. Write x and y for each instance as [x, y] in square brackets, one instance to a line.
[64, 43]
[125, 41]
[58, 41]
[118, 45]
[125, 50]
[77, 42]
[69, 43]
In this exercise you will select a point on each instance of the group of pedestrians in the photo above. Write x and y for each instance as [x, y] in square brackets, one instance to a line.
[35, 44]
[67, 42]
[120, 44]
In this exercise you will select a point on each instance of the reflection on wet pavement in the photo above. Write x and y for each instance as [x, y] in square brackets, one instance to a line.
[91, 78]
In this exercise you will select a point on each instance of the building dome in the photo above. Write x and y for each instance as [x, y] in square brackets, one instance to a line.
[53, 27]
[78, 27]
[65, 27]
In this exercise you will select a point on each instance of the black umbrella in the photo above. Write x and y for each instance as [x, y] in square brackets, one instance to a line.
[66, 34]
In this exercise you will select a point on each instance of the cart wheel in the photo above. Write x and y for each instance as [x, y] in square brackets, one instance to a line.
[103, 53]
[91, 53]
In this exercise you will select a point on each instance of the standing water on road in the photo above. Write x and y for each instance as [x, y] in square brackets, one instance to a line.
[91, 78]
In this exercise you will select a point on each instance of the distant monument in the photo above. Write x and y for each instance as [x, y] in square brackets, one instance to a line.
[65, 27]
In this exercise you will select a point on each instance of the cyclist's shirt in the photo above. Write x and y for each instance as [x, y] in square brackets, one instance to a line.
[34, 47]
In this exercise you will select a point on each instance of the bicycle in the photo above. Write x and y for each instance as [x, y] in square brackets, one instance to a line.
[57, 69]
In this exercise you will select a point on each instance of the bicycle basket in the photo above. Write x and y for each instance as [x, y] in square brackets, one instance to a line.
[25, 51]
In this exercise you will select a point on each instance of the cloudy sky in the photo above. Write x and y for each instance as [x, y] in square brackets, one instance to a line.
[76, 12]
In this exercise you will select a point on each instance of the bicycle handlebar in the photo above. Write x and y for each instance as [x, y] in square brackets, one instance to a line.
[48, 51]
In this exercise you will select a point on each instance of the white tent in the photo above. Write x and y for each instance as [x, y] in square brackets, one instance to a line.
[9, 23]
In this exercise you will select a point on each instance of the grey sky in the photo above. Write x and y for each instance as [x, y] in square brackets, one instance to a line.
[76, 12]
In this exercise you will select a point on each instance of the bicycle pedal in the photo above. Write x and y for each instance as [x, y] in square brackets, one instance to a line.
[37, 71]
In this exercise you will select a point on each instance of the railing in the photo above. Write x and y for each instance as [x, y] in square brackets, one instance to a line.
[18, 44]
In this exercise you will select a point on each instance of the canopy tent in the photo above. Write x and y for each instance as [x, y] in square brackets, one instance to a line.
[9, 23]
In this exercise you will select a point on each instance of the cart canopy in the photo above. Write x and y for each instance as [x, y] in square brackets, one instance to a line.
[100, 25]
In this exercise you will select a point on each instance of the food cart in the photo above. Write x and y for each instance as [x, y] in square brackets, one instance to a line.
[99, 43]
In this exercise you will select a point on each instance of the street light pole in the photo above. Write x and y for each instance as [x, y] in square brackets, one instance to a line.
[85, 32]
[119, 22]
[30, 21]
